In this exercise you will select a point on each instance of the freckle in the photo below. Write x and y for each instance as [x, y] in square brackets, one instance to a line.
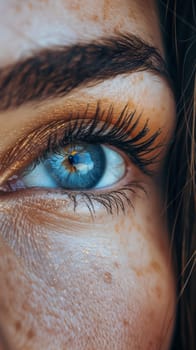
[18, 8]
[107, 277]
[18, 326]
[139, 272]
[158, 292]
[155, 266]
[75, 6]
[30, 334]
[25, 306]
[125, 323]
[150, 345]
[116, 264]
[138, 227]
[95, 18]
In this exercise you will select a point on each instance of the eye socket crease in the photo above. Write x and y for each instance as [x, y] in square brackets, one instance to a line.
[56, 71]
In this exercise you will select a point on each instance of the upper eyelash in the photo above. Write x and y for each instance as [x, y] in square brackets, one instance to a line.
[101, 131]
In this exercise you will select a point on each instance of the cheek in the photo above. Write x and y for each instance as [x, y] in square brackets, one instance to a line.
[108, 287]
[115, 291]
[105, 304]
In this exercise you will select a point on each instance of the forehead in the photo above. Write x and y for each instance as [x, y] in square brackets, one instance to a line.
[28, 25]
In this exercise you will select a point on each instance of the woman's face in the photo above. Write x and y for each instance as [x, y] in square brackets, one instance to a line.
[85, 258]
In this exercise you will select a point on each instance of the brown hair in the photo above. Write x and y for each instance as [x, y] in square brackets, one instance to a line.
[179, 29]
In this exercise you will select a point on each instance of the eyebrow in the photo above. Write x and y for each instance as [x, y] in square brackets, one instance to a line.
[54, 72]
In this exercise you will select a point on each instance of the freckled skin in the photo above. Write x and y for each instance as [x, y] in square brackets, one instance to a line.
[67, 281]
[107, 277]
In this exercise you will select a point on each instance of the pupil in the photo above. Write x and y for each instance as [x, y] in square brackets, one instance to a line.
[71, 159]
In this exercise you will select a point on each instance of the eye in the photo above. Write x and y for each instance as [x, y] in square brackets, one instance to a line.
[82, 158]
[77, 166]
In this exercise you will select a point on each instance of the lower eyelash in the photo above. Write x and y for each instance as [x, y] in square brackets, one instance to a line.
[114, 201]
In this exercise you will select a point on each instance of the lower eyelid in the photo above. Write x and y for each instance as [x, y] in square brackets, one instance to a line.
[40, 217]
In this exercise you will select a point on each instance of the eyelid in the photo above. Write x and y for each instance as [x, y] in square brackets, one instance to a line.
[123, 132]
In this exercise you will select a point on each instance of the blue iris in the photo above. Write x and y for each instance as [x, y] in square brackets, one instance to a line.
[80, 166]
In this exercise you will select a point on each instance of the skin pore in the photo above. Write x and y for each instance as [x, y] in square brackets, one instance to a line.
[77, 279]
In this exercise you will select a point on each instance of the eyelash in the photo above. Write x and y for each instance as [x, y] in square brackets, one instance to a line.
[100, 130]
[116, 135]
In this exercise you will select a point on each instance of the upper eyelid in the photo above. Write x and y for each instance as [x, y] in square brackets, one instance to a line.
[38, 140]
